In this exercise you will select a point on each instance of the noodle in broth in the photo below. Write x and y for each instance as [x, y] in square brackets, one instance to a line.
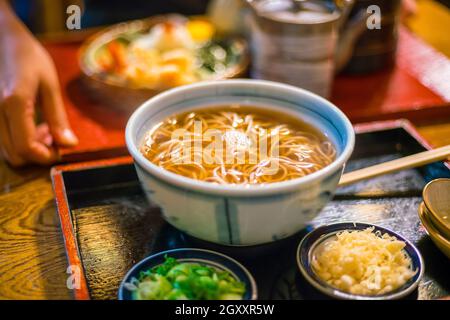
[237, 145]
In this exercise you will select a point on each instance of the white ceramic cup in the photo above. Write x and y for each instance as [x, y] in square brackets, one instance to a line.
[240, 215]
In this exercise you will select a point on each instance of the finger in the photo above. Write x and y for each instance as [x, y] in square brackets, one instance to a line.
[55, 113]
[6, 146]
[410, 7]
[43, 134]
[20, 121]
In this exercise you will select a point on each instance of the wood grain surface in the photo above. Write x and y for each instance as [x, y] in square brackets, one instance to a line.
[32, 255]
[437, 134]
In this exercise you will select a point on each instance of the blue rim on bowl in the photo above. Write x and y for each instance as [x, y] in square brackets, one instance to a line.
[206, 257]
[317, 236]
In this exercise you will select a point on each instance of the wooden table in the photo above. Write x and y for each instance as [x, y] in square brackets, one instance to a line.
[32, 255]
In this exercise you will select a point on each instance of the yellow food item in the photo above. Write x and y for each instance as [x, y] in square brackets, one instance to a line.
[169, 75]
[363, 262]
[179, 57]
[200, 30]
[170, 54]
[163, 58]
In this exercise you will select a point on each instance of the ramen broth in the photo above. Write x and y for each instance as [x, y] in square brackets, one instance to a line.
[237, 145]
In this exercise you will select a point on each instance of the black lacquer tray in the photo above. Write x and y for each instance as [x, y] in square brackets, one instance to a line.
[108, 225]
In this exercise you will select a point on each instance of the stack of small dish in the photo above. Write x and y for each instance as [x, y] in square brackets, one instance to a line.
[434, 212]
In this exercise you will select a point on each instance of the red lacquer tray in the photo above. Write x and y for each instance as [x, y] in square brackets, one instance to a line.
[417, 88]
[108, 225]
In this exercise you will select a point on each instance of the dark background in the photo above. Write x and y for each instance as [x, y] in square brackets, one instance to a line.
[99, 12]
[103, 12]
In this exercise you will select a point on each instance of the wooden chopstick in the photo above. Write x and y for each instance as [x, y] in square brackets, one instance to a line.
[412, 161]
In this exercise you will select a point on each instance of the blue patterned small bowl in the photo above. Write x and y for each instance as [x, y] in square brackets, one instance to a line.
[321, 289]
[201, 256]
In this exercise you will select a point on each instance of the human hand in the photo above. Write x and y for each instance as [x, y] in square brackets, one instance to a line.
[28, 79]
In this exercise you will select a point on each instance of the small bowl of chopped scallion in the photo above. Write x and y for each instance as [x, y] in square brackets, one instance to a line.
[188, 274]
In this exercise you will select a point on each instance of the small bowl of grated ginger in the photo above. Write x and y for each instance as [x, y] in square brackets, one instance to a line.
[359, 261]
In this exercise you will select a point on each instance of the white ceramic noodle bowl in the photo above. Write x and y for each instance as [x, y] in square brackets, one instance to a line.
[240, 215]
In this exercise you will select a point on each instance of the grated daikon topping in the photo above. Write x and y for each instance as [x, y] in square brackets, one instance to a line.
[363, 262]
